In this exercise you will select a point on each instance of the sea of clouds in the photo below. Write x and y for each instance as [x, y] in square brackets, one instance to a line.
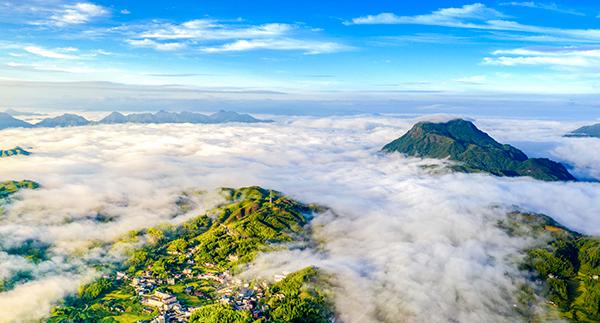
[405, 243]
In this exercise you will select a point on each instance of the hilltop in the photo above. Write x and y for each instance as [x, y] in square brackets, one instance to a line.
[459, 140]
[586, 131]
[14, 152]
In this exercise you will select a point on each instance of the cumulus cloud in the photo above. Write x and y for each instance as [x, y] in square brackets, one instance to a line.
[400, 239]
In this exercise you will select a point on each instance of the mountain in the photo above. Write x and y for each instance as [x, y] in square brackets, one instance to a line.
[13, 152]
[230, 116]
[72, 120]
[459, 140]
[114, 118]
[181, 117]
[587, 131]
[65, 120]
[8, 121]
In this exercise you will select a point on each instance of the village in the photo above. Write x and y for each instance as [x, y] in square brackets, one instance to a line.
[229, 290]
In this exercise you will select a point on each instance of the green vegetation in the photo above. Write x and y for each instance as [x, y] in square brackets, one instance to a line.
[218, 313]
[10, 187]
[461, 141]
[300, 297]
[192, 262]
[13, 152]
[568, 264]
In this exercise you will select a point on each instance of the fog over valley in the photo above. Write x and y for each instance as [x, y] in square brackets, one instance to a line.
[401, 236]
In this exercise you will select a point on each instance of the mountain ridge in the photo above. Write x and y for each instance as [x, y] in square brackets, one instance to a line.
[460, 140]
[160, 117]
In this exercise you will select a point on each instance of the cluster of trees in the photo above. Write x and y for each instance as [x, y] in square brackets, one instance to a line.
[569, 264]
[571, 269]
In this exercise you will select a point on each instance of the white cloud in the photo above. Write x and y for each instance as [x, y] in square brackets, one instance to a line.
[73, 14]
[209, 29]
[445, 17]
[169, 46]
[48, 53]
[480, 17]
[213, 36]
[125, 12]
[556, 57]
[309, 47]
[542, 5]
[402, 241]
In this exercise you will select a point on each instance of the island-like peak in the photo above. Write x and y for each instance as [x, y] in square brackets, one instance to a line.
[13, 152]
[586, 131]
[65, 120]
[460, 140]
[114, 117]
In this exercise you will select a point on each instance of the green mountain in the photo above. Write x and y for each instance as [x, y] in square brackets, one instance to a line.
[586, 131]
[10, 187]
[186, 271]
[461, 141]
[13, 152]
[567, 263]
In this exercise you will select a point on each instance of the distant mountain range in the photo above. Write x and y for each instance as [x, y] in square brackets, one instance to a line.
[459, 140]
[72, 120]
[587, 131]
[13, 152]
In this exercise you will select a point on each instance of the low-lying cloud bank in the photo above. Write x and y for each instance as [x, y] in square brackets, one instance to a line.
[405, 243]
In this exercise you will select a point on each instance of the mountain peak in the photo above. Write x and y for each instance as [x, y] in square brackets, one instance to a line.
[460, 140]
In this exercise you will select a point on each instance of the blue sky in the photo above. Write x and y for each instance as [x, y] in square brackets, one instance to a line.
[306, 48]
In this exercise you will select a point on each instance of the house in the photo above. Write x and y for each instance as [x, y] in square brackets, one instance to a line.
[160, 300]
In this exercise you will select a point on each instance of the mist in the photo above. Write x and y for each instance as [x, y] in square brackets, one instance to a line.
[402, 240]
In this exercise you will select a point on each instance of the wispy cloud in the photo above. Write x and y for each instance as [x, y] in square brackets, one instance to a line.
[161, 46]
[545, 6]
[556, 57]
[446, 17]
[73, 14]
[49, 53]
[210, 29]
[480, 17]
[309, 47]
[214, 36]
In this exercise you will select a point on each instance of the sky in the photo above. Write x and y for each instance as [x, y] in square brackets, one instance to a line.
[284, 51]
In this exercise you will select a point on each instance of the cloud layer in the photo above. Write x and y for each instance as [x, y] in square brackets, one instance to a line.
[402, 241]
